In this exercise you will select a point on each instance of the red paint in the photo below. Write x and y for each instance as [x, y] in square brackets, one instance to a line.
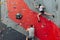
[48, 32]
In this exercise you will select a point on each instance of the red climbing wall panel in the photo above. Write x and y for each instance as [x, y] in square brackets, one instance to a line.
[44, 30]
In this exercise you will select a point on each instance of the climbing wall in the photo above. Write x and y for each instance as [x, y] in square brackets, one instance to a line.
[7, 32]
[53, 7]
[7, 21]
[44, 30]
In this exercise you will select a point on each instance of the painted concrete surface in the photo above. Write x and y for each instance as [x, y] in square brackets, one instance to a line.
[8, 21]
[52, 7]
[8, 33]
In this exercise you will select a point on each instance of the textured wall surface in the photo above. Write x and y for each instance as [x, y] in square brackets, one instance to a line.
[7, 21]
[52, 7]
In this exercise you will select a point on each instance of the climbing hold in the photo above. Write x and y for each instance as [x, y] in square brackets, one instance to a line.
[14, 7]
[19, 16]
[42, 26]
[6, 16]
[20, 24]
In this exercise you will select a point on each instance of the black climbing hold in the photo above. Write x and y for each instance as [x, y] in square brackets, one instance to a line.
[19, 16]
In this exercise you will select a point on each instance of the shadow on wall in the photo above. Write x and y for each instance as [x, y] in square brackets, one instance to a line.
[7, 33]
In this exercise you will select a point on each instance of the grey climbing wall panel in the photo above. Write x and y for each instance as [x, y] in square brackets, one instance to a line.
[30, 5]
[7, 33]
[52, 6]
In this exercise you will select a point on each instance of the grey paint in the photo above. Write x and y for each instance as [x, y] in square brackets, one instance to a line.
[53, 6]
[7, 33]
[58, 14]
